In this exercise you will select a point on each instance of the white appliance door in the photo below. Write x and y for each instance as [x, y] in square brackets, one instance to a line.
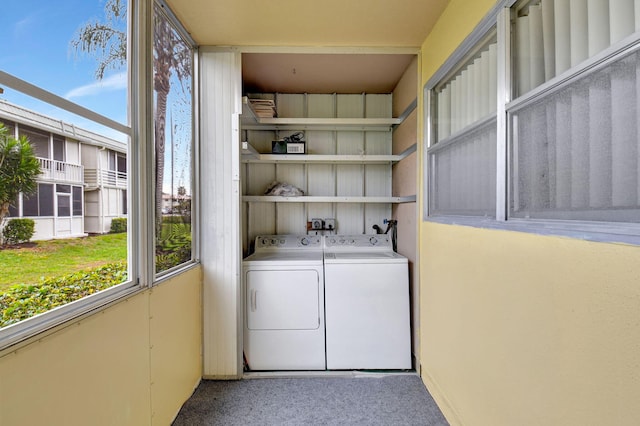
[282, 300]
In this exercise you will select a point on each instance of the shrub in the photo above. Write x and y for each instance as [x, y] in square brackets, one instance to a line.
[18, 231]
[23, 301]
[118, 225]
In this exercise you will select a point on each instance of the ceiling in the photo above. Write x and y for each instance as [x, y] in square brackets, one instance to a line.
[381, 26]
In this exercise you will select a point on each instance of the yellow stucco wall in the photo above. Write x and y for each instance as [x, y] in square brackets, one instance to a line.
[522, 329]
[133, 363]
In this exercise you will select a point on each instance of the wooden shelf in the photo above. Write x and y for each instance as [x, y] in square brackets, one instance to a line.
[324, 199]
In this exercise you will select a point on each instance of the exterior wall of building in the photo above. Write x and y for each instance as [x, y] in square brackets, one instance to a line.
[83, 163]
[518, 328]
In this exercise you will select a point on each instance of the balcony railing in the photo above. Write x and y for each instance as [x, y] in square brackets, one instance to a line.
[95, 178]
[59, 171]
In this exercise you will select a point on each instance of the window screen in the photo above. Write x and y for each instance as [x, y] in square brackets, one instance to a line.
[77, 201]
[45, 198]
[575, 153]
[552, 36]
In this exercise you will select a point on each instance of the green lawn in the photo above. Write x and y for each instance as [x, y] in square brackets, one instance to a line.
[59, 257]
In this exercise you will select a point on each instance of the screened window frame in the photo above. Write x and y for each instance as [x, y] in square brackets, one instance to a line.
[139, 279]
[500, 16]
[159, 277]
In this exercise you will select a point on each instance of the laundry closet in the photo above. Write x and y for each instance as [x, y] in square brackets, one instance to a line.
[352, 166]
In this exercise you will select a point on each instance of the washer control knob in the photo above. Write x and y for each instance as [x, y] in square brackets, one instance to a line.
[352, 241]
[373, 241]
[332, 241]
[265, 242]
[274, 242]
[304, 241]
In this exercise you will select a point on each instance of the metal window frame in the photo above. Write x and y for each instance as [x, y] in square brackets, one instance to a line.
[195, 185]
[500, 15]
[138, 29]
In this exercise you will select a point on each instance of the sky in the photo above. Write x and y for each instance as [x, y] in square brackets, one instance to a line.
[35, 40]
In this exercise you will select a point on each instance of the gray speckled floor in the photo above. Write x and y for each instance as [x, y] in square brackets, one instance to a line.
[363, 400]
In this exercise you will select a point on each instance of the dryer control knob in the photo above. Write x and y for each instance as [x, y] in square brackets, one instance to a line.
[373, 241]
[304, 241]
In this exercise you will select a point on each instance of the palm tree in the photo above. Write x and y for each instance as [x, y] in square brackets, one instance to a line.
[170, 56]
[19, 169]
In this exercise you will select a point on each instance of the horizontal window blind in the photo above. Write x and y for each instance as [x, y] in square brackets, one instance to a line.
[576, 153]
[551, 36]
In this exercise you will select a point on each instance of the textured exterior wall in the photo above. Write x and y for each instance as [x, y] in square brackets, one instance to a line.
[524, 329]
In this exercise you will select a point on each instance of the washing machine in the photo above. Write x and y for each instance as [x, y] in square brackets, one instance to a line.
[283, 283]
[366, 303]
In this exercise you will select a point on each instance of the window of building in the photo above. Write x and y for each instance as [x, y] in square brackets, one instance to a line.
[101, 120]
[574, 148]
[173, 95]
[567, 156]
[40, 140]
[40, 203]
[462, 166]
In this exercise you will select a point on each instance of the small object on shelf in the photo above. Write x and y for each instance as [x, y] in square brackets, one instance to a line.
[263, 108]
[283, 189]
[293, 144]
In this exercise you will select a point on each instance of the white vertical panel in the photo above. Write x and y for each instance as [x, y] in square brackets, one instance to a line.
[622, 19]
[493, 78]
[455, 108]
[600, 142]
[320, 142]
[562, 27]
[463, 99]
[349, 217]
[220, 203]
[350, 106]
[549, 39]
[377, 143]
[262, 220]
[477, 89]
[258, 177]
[484, 83]
[563, 152]
[291, 218]
[441, 115]
[536, 46]
[578, 31]
[321, 106]
[636, 10]
[378, 106]
[598, 24]
[350, 180]
[377, 182]
[290, 105]
[321, 180]
[523, 55]
[579, 149]
[624, 140]
[293, 174]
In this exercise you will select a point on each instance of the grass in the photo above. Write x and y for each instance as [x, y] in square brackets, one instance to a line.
[28, 264]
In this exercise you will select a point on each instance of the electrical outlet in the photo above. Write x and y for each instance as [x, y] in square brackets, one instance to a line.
[330, 224]
[317, 224]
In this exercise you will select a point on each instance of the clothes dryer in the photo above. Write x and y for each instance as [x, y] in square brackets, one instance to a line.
[284, 304]
[367, 303]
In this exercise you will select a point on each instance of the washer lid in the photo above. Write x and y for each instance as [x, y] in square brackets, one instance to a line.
[306, 257]
[364, 257]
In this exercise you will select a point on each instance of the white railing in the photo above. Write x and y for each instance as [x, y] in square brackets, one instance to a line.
[95, 178]
[60, 171]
